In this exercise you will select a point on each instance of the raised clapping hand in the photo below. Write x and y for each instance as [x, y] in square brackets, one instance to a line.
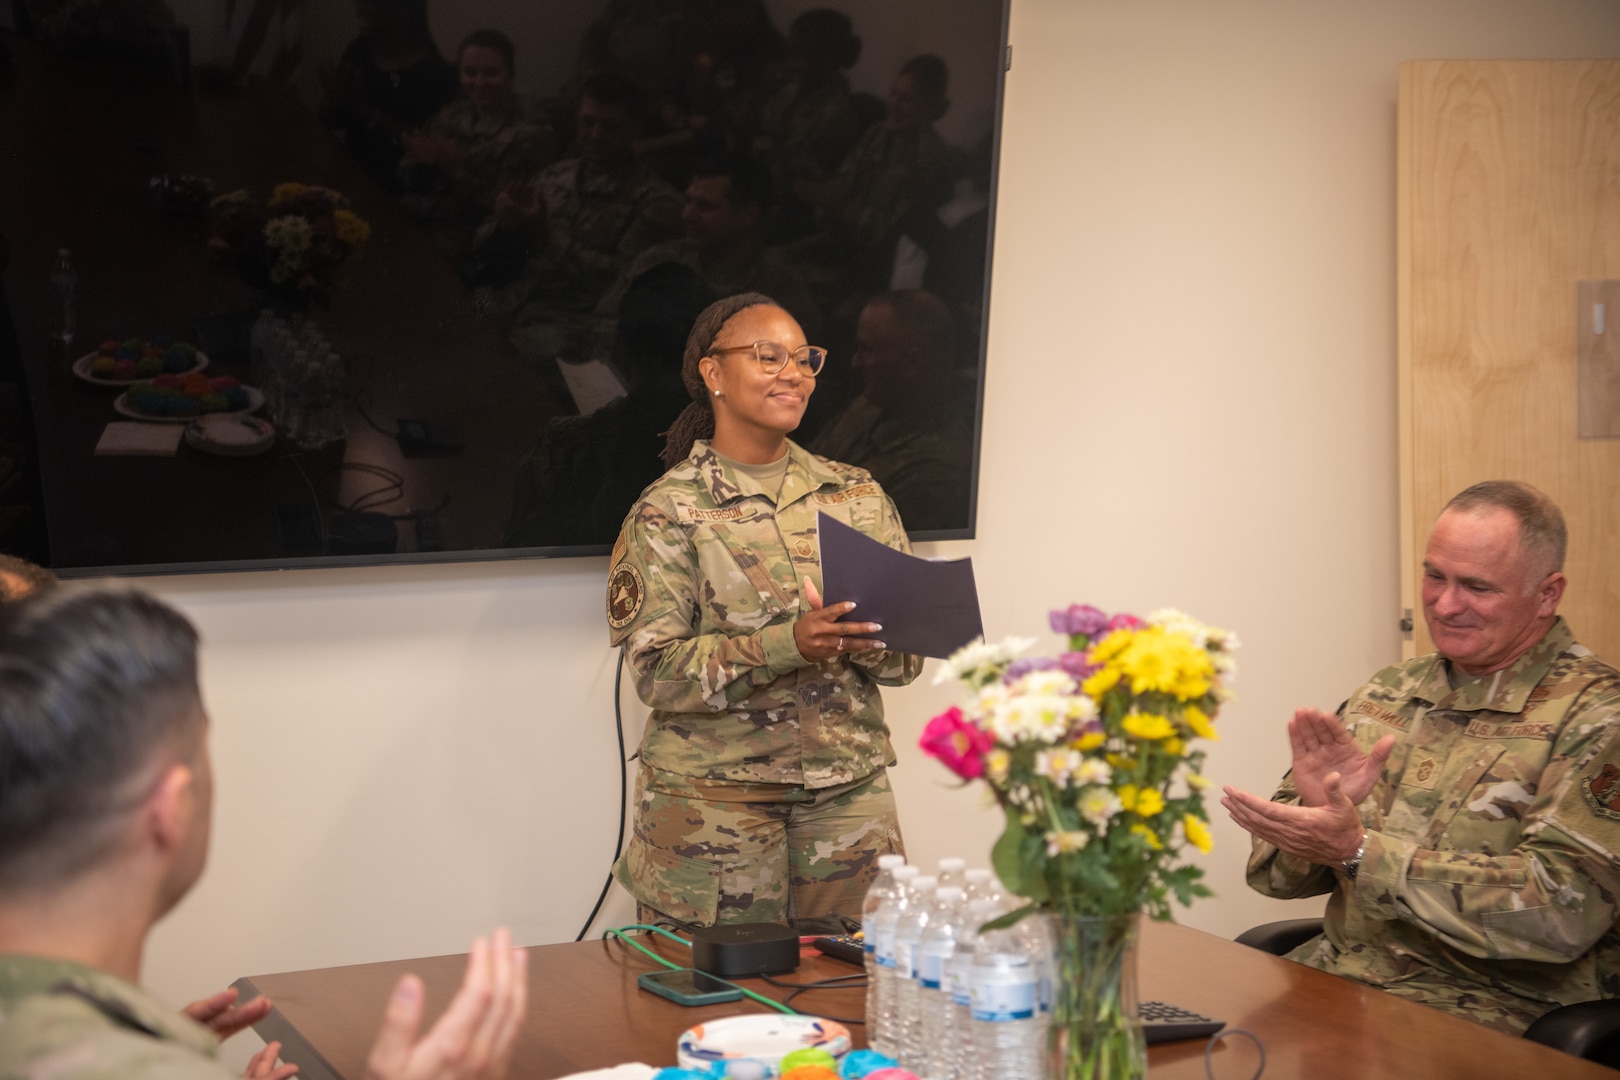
[473, 1040]
[821, 636]
[1332, 776]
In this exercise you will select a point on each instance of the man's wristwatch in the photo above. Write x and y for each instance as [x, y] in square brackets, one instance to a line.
[1353, 864]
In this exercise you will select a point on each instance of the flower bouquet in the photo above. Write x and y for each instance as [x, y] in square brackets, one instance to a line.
[294, 245]
[1090, 754]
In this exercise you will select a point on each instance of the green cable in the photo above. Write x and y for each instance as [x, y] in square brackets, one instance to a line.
[619, 932]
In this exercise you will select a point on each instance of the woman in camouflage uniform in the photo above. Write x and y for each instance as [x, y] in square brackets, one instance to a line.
[762, 793]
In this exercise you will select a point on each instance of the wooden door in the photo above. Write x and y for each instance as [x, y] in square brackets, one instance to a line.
[1509, 200]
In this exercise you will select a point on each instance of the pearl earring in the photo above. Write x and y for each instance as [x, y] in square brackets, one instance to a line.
[717, 393]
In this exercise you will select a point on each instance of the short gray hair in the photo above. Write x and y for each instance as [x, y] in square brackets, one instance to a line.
[1541, 524]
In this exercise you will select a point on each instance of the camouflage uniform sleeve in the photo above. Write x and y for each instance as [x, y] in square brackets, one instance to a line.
[1276, 873]
[1550, 898]
[654, 591]
[889, 668]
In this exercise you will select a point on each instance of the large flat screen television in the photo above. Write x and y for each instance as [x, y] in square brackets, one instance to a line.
[409, 280]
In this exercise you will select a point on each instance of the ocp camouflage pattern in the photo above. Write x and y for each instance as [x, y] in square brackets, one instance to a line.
[64, 1021]
[718, 569]
[707, 852]
[1489, 880]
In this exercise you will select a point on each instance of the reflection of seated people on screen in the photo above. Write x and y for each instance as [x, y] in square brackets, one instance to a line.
[724, 218]
[810, 122]
[578, 483]
[586, 218]
[391, 79]
[454, 168]
[898, 165]
[911, 426]
[77, 19]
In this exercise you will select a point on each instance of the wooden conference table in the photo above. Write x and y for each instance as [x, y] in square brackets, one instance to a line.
[586, 1012]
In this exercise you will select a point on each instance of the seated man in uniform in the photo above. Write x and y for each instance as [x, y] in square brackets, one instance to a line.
[105, 798]
[911, 426]
[1462, 807]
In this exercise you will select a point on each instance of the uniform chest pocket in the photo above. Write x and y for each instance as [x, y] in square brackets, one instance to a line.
[740, 589]
[1496, 798]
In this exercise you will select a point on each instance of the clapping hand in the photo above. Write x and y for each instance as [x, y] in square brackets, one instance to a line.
[1323, 746]
[473, 1040]
[221, 1015]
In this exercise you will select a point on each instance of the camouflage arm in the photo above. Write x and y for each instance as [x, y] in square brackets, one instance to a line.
[1276, 873]
[1549, 899]
[677, 668]
[889, 668]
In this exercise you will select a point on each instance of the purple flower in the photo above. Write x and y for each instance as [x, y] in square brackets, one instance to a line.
[1019, 668]
[1075, 664]
[1080, 619]
[1123, 621]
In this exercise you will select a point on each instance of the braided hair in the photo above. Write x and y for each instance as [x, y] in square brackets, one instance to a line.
[697, 419]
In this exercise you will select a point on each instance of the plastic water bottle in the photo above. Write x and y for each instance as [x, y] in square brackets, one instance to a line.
[65, 281]
[964, 1062]
[935, 953]
[1009, 1023]
[882, 1031]
[881, 891]
[981, 884]
[951, 870]
[908, 932]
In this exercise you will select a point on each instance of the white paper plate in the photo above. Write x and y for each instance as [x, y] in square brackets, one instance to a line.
[81, 368]
[762, 1037]
[122, 406]
[230, 434]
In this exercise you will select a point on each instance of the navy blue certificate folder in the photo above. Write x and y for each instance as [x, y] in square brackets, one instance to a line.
[927, 608]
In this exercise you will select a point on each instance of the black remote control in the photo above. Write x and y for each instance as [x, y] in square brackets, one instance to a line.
[842, 947]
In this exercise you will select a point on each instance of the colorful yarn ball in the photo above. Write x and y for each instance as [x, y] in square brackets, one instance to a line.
[134, 344]
[810, 1072]
[182, 406]
[895, 1073]
[150, 404]
[149, 365]
[168, 382]
[213, 402]
[102, 365]
[124, 369]
[688, 1074]
[127, 354]
[107, 348]
[223, 382]
[809, 1055]
[184, 348]
[860, 1063]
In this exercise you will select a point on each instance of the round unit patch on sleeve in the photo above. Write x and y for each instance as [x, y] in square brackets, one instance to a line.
[626, 591]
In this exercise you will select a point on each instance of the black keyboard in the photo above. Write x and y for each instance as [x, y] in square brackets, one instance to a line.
[1168, 1023]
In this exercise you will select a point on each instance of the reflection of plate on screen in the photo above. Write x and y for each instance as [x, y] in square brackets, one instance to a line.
[231, 434]
[81, 368]
[122, 405]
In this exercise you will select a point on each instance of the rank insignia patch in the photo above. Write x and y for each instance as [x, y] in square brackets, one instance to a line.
[626, 591]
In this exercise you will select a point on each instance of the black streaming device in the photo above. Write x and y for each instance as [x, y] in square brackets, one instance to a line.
[745, 949]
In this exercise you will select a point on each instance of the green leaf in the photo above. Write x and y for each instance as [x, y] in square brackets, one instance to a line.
[1016, 864]
[1001, 922]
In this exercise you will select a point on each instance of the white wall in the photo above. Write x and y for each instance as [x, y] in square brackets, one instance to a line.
[1191, 401]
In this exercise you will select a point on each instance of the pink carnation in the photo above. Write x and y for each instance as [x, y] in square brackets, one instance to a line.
[1123, 621]
[957, 742]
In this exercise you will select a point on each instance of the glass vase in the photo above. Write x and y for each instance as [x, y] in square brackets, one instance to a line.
[1095, 1031]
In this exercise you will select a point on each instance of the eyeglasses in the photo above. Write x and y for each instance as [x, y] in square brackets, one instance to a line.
[773, 357]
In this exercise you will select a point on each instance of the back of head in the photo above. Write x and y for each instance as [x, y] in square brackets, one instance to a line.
[615, 91]
[932, 78]
[748, 180]
[655, 318]
[825, 39]
[20, 578]
[98, 688]
[925, 322]
[1542, 533]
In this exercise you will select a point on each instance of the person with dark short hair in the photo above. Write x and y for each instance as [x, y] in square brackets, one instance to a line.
[472, 148]
[585, 218]
[1463, 808]
[724, 219]
[106, 795]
